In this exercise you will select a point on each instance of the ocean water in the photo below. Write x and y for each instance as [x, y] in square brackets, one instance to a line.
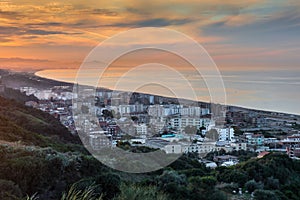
[273, 90]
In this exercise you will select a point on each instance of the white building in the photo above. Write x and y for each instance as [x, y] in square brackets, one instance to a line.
[127, 109]
[205, 111]
[156, 110]
[173, 148]
[238, 146]
[124, 109]
[202, 148]
[151, 99]
[66, 95]
[295, 138]
[225, 134]
[44, 94]
[141, 129]
[191, 111]
[172, 109]
[209, 164]
[99, 140]
[180, 123]
[28, 90]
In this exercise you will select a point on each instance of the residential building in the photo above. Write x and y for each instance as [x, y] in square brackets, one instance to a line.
[179, 123]
[156, 111]
[99, 140]
[225, 134]
[141, 129]
[256, 139]
[173, 148]
[225, 158]
[293, 139]
[209, 164]
[237, 146]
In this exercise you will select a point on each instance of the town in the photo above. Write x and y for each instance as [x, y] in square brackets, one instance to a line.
[162, 123]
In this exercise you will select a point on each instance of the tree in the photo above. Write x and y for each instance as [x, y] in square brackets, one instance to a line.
[110, 183]
[265, 195]
[237, 131]
[135, 118]
[190, 130]
[272, 183]
[9, 190]
[107, 114]
[209, 181]
[212, 134]
[228, 175]
[173, 184]
[171, 176]
[199, 131]
[253, 185]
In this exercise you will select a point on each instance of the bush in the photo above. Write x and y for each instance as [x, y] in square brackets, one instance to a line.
[134, 192]
[9, 190]
[75, 194]
[272, 183]
[253, 185]
[265, 195]
[110, 183]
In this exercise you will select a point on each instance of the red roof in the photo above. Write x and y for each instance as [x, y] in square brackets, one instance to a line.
[262, 154]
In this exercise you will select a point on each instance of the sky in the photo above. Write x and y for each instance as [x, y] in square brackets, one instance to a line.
[238, 35]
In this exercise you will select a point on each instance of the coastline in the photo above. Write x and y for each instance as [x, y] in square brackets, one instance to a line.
[242, 107]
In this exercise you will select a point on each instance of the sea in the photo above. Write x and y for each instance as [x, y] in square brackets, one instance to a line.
[271, 90]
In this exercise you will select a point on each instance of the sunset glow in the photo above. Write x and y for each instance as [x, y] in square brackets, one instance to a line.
[238, 34]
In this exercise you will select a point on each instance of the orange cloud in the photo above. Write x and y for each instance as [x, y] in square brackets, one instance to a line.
[65, 31]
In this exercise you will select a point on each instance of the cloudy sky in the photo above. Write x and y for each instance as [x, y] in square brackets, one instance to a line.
[243, 35]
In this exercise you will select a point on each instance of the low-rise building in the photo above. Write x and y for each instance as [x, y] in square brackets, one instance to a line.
[99, 140]
[173, 148]
[141, 129]
[238, 146]
[254, 139]
[226, 158]
[293, 139]
[257, 139]
[179, 123]
[292, 144]
[202, 148]
[208, 163]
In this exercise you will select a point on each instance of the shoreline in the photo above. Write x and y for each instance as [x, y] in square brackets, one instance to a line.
[242, 107]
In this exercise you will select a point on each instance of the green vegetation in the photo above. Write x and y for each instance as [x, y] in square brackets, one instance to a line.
[47, 162]
[241, 154]
[28, 126]
[77, 194]
[134, 192]
[136, 149]
[48, 173]
[212, 135]
[190, 130]
[16, 95]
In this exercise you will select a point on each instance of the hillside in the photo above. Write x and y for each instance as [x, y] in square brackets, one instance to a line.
[38, 156]
[23, 79]
[30, 126]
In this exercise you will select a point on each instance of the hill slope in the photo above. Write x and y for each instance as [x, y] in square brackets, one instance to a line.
[30, 126]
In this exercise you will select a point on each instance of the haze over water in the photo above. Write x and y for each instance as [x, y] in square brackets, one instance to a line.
[276, 90]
